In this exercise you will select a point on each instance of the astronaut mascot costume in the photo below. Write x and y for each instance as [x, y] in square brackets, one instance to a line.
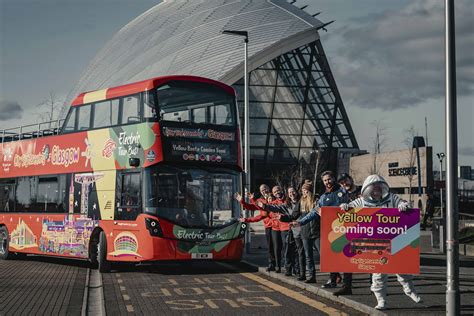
[375, 193]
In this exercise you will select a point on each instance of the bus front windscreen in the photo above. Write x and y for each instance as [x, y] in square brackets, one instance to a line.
[196, 102]
[191, 197]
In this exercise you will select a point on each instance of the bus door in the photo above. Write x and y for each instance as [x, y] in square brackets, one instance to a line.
[128, 199]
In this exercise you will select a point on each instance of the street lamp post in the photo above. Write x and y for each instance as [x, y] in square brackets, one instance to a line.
[453, 297]
[246, 121]
[441, 157]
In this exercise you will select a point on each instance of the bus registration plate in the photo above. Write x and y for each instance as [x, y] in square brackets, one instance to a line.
[201, 256]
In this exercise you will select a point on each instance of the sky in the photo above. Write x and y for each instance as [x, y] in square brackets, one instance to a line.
[387, 58]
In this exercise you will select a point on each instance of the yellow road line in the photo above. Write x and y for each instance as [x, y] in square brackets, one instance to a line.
[294, 295]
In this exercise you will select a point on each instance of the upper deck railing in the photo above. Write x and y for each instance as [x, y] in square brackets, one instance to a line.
[31, 131]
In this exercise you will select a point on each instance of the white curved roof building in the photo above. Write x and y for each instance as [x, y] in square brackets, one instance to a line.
[295, 107]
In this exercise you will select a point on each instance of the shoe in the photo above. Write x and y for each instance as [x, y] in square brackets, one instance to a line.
[329, 285]
[278, 270]
[381, 306]
[301, 278]
[310, 280]
[345, 290]
[270, 268]
[415, 297]
[380, 296]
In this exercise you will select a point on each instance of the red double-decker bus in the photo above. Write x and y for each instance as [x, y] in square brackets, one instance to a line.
[140, 172]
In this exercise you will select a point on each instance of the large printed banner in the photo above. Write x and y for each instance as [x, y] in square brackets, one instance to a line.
[370, 240]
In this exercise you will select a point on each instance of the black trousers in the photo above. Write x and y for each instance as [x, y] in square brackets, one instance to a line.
[301, 256]
[291, 255]
[271, 252]
[277, 247]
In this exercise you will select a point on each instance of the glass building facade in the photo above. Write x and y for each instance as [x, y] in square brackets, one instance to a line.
[295, 112]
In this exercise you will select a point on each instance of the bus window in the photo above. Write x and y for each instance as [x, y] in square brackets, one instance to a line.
[177, 116]
[199, 115]
[220, 114]
[191, 197]
[106, 113]
[25, 194]
[129, 196]
[195, 102]
[7, 197]
[84, 118]
[131, 109]
[149, 106]
[70, 123]
[51, 192]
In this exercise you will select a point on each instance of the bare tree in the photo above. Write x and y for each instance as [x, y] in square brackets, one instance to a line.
[379, 142]
[410, 133]
[50, 108]
[292, 176]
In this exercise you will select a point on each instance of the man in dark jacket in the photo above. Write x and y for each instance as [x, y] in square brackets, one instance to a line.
[333, 196]
[353, 192]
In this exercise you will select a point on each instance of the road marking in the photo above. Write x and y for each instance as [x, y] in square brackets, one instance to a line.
[119, 281]
[130, 308]
[294, 295]
[126, 297]
[122, 288]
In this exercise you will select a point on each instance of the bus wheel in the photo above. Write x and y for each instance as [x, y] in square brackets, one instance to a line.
[4, 253]
[104, 265]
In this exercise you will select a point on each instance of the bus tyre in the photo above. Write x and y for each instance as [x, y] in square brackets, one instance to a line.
[4, 253]
[104, 265]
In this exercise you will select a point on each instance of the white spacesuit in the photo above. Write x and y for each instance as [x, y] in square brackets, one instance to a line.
[375, 193]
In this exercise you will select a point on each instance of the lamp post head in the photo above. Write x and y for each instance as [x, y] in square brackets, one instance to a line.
[238, 33]
[440, 156]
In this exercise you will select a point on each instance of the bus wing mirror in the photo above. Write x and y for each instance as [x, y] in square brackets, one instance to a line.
[134, 162]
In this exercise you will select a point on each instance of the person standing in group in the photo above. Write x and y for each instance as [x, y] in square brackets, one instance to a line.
[286, 213]
[334, 195]
[353, 193]
[309, 233]
[375, 193]
[279, 231]
[265, 197]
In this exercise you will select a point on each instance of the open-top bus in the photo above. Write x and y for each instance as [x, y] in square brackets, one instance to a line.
[378, 246]
[136, 173]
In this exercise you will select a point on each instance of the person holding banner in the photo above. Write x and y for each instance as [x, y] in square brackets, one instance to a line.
[375, 193]
[333, 196]
[353, 193]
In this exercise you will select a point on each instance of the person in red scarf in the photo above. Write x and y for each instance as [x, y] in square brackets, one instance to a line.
[265, 197]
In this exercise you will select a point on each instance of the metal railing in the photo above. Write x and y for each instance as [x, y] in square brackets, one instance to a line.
[31, 131]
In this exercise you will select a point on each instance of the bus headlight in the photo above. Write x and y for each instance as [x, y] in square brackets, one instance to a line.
[153, 227]
[243, 228]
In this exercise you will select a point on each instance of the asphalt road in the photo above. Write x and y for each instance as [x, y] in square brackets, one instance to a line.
[54, 286]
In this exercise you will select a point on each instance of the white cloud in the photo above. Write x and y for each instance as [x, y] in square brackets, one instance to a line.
[395, 59]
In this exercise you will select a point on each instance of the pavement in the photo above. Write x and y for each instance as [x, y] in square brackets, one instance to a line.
[42, 286]
[430, 284]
